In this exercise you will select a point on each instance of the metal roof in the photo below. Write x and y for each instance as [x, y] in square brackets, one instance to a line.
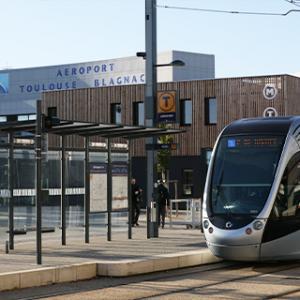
[69, 127]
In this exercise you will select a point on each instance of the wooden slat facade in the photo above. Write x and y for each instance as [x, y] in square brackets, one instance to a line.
[236, 98]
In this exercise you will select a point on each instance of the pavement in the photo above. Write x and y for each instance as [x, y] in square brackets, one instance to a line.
[176, 247]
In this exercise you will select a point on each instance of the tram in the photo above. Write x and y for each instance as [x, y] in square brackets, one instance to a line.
[251, 202]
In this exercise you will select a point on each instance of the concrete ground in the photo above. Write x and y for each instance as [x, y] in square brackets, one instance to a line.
[23, 257]
[176, 247]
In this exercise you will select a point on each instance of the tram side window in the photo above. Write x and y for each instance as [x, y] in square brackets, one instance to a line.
[287, 203]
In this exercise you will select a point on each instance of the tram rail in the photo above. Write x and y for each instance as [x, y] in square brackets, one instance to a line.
[136, 282]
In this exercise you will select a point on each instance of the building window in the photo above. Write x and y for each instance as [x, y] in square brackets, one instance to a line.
[116, 113]
[138, 113]
[210, 111]
[187, 187]
[3, 119]
[186, 112]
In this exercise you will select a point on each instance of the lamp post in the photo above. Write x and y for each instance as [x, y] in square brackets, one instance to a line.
[150, 109]
[150, 101]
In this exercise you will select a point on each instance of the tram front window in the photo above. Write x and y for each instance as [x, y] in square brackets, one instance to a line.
[243, 173]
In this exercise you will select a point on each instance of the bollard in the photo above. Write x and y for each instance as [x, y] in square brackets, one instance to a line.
[6, 247]
[153, 211]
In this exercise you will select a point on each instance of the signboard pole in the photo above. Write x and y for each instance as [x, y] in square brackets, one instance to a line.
[11, 190]
[63, 191]
[38, 187]
[109, 190]
[129, 191]
[87, 192]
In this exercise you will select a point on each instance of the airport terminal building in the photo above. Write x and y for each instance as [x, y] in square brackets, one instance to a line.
[205, 107]
[112, 91]
[20, 88]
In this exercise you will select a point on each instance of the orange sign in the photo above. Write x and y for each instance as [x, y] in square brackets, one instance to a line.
[166, 102]
[166, 106]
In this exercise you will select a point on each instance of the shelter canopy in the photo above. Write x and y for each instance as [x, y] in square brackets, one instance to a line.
[87, 129]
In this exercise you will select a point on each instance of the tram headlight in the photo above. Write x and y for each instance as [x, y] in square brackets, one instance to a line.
[205, 224]
[258, 225]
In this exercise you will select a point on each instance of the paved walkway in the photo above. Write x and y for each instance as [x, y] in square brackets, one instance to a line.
[176, 247]
[171, 240]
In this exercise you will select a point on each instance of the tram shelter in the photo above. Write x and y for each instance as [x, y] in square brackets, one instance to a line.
[37, 129]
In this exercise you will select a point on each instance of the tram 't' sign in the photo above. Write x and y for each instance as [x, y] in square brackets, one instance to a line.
[270, 112]
[166, 106]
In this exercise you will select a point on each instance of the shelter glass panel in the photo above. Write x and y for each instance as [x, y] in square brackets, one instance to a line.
[4, 195]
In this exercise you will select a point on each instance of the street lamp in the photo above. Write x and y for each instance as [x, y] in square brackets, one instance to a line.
[150, 108]
[150, 117]
[174, 63]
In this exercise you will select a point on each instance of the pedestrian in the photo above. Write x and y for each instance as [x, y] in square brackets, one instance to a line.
[136, 199]
[163, 202]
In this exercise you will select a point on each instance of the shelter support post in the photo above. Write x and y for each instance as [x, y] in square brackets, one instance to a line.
[63, 191]
[129, 191]
[38, 199]
[11, 190]
[109, 190]
[87, 191]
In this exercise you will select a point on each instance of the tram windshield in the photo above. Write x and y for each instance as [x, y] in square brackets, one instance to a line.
[243, 173]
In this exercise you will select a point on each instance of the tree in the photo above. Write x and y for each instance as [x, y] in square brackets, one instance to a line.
[164, 155]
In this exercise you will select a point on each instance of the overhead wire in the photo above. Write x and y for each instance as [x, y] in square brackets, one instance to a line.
[295, 2]
[228, 11]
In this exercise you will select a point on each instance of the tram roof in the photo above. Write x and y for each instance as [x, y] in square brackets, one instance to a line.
[273, 125]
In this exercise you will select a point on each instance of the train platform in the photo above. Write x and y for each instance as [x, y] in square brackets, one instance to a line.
[176, 247]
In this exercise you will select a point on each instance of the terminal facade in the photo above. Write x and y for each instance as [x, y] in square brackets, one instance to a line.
[20, 88]
[113, 92]
[205, 108]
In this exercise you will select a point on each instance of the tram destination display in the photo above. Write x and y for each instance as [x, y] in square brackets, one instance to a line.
[254, 141]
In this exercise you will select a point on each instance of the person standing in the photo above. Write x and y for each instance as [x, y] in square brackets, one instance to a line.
[163, 203]
[136, 195]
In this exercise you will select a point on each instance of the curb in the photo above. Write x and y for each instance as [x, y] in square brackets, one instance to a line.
[158, 263]
[47, 276]
[89, 270]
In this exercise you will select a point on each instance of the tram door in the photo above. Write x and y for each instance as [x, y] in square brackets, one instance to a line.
[282, 232]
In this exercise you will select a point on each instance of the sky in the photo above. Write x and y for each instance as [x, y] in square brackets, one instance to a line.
[52, 32]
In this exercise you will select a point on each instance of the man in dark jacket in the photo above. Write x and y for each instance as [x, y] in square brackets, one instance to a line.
[163, 199]
[136, 194]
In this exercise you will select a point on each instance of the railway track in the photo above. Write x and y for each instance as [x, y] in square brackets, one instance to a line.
[206, 281]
